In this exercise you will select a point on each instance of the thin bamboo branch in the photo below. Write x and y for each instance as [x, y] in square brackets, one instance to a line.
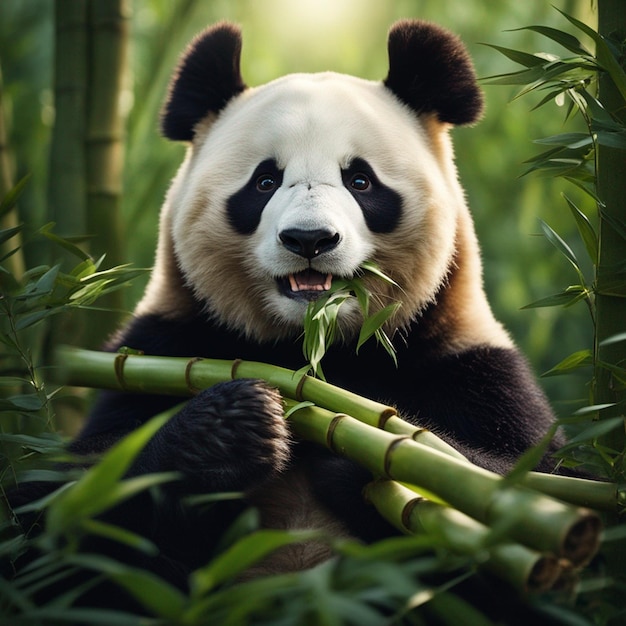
[525, 570]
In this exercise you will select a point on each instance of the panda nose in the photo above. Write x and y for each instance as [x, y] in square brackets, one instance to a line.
[308, 243]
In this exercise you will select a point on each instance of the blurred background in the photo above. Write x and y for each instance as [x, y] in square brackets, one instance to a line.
[349, 36]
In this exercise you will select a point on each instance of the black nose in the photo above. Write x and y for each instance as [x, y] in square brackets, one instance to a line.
[308, 243]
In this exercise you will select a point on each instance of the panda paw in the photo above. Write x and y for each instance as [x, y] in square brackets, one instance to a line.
[231, 436]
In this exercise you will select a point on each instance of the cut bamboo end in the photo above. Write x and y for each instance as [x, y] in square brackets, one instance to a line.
[544, 574]
[582, 540]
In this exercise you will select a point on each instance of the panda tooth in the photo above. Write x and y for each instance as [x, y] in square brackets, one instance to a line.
[327, 282]
[293, 284]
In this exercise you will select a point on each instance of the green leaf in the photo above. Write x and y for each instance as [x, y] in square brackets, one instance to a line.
[582, 358]
[586, 230]
[119, 535]
[46, 231]
[242, 555]
[374, 323]
[613, 339]
[560, 245]
[604, 54]
[568, 41]
[566, 298]
[523, 58]
[94, 492]
[598, 429]
[9, 233]
[157, 595]
[10, 199]
[569, 140]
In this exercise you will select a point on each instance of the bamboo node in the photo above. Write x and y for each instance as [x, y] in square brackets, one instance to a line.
[331, 430]
[118, 366]
[190, 386]
[389, 454]
[407, 511]
[385, 414]
[299, 387]
[234, 368]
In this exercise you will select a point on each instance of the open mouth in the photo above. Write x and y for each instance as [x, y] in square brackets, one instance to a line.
[306, 285]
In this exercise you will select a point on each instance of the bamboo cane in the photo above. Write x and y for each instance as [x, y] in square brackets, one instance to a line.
[525, 570]
[183, 376]
[531, 518]
[526, 516]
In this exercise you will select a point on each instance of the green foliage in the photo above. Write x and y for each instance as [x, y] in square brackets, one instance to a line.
[573, 156]
[321, 317]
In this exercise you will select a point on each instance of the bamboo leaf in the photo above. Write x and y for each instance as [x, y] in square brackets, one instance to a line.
[604, 54]
[119, 535]
[568, 41]
[157, 595]
[582, 358]
[242, 555]
[9, 233]
[566, 298]
[569, 140]
[560, 245]
[613, 339]
[92, 494]
[373, 324]
[522, 58]
[586, 230]
[46, 231]
[11, 198]
[598, 429]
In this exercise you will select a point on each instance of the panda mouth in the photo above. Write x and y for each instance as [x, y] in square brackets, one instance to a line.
[306, 285]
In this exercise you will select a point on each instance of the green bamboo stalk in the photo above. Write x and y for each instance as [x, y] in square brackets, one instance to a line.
[184, 376]
[66, 178]
[525, 570]
[104, 146]
[611, 286]
[14, 263]
[527, 517]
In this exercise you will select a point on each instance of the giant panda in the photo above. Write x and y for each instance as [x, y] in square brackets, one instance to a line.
[286, 187]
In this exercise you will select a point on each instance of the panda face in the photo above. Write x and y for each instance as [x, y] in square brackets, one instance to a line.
[299, 182]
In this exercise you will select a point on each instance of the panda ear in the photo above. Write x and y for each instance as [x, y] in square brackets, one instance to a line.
[206, 78]
[431, 71]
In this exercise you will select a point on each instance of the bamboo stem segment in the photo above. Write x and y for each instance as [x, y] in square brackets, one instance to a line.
[525, 570]
[184, 377]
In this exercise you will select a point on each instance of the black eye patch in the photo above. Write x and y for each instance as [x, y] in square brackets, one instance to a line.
[244, 207]
[380, 204]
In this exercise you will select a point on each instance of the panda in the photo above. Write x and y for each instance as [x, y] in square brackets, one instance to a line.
[285, 188]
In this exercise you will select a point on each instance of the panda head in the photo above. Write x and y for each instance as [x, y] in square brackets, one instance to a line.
[291, 184]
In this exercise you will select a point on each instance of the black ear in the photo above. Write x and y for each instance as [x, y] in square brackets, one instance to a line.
[206, 78]
[431, 71]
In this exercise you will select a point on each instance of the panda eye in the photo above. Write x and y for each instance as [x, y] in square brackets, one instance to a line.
[360, 182]
[265, 182]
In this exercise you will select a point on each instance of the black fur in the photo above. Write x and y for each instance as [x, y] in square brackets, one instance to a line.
[430, 70]
[207, 77]
[381, 205]
[244, 207]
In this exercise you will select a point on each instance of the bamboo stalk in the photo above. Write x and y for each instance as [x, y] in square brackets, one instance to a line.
[184, 376]
[525, 516]
[525, 570]
[66, 186]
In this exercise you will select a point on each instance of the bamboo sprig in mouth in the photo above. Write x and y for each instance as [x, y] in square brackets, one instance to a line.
[321, 328]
